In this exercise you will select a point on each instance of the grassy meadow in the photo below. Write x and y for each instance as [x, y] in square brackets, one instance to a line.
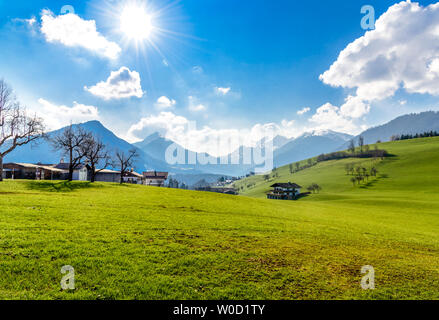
[137, 242]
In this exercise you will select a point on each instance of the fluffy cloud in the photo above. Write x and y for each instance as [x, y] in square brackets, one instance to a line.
[195, 106]
[354, 108]
[222, 91]
[402, 51]
[120, 84]
[303, 111]
[164, 102]
[57, 116]
[163, 123]
[331, 117]
[72, 31]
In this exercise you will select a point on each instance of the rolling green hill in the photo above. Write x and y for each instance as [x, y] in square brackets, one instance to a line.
[136, 242]
[412, 170]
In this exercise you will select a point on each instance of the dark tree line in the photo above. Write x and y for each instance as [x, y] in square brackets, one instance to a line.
[414, 136]
[363, 151]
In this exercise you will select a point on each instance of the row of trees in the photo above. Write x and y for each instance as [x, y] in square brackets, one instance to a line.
[359, 173]
[314, 188]
[364, 151]
[296, 167]
[414, 136]
[352, 169]
[17, 128]
[81, 146]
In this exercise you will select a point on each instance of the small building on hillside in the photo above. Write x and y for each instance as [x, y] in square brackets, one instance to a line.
[79, 171]
[31, 171]
[133, 177]
[108, 176]
[102, 175]
[155, 178]
[230, 191]
[284, 191]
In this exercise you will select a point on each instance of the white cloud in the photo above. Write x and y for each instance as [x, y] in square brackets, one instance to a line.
[402, 51]
[402, 102]
[195, 106]
[30, 22]
[393, 56]
[72, 31]
[303, 111]
[354, 108]
[164, 102]
[57, 116]
[222, 91]
[330, 117]
[120, 84]
[163, 123]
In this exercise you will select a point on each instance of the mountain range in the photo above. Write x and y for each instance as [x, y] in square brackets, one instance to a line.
[309, 145]
[406, 124]
[153, 148]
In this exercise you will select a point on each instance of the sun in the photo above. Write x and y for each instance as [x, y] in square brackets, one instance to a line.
[136, 23]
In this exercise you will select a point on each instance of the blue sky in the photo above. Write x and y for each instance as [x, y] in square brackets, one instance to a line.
[228, 65]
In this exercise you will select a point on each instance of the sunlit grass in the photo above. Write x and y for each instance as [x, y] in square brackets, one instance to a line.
[136, 242]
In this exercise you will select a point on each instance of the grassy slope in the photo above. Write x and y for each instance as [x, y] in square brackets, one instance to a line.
[136, 242]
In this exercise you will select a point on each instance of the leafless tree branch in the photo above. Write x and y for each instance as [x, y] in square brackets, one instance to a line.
[16, 127]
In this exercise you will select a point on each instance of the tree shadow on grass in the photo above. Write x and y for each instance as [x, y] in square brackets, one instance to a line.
[303, 195]
[373, 182]
[59, 186]
[369, 184]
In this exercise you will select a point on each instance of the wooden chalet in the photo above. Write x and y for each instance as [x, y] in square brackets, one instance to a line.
[155, 178]
[284, 191]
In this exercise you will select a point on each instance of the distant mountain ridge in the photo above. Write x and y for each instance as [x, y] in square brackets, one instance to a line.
[407, 124]
[152, 149]
[43, 152]
[309, 145]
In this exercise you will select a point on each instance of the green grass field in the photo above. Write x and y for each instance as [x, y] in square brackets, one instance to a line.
[136, 242]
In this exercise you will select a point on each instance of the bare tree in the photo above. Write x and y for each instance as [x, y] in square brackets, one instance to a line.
[125, 161]
[361, 143]
[353, 180]
[351, 146]
[95, 154]
[70, 142]
[366, 148]
[16, 128]
[316, 187]
[349, 167]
